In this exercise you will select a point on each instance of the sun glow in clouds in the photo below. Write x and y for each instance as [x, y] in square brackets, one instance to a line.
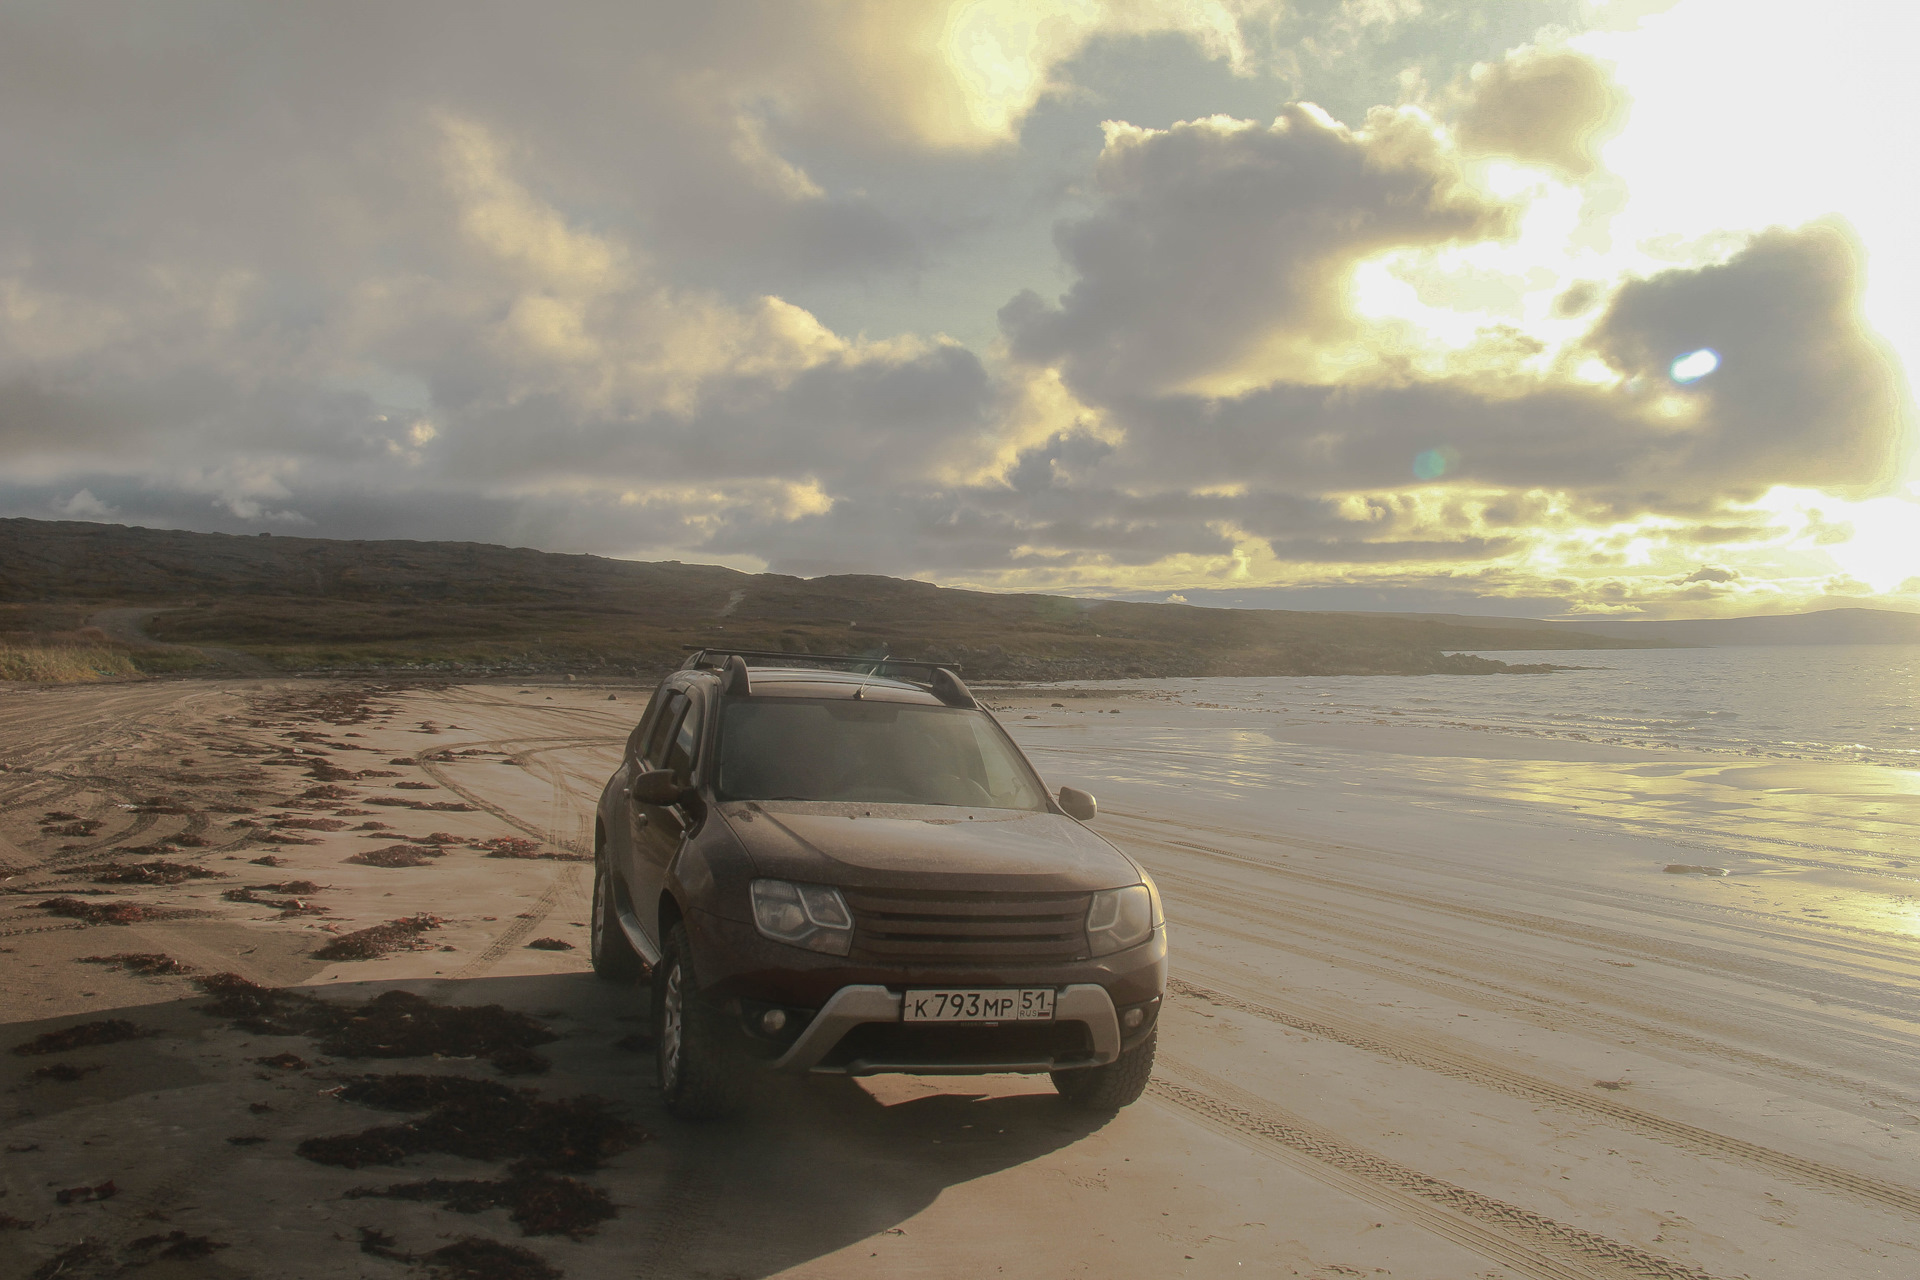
[1695, 365]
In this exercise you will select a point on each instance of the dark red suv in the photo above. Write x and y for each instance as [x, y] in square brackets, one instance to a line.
[838, 868]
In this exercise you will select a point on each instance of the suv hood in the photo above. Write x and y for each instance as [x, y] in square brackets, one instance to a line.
[874, 846]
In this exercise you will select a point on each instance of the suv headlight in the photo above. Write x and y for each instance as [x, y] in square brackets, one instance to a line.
[813, 916]
[1120, 918]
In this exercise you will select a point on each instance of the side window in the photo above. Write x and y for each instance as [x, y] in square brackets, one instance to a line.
[664, 730]
[685, 748]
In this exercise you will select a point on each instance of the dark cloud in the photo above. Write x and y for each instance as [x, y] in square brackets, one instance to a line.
[1218, 238]
[1804, 393]
[1710, 573]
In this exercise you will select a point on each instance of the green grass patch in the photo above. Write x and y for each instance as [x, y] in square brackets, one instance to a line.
[63, 664]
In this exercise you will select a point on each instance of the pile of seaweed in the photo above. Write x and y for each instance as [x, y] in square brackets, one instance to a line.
[146, 963]
[515, 847]
[111, 912]
[399, 855]
[285, 906]
[486, 1120]
[394, 1024]
[437, 806]
[376, 940]
[144, 872]
[468, 1258]
[108, 1031]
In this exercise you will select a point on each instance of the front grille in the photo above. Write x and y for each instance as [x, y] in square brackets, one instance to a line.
[920, 927]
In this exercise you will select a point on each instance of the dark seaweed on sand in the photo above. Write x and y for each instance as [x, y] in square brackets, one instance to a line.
[368, 944]
[474, 1258]
[541, 1205]
[478, 1119]
[439, 806]
[381, 1245]
[399, 855]
[145, 873]
[68, 1260]
[65, 1072]
[309, 824]
[146, 963]
[176, 1246]
[285, 906]
[109, 1031]
[515, 847]
[550, 944]
[109, 912]
[394, 1024]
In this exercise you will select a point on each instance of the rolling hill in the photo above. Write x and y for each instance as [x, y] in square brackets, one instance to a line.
[315, 604]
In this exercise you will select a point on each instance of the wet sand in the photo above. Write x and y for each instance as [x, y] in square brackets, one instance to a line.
[1440, 1010]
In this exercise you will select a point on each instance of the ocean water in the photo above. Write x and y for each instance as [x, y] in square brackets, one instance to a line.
[1856, 703]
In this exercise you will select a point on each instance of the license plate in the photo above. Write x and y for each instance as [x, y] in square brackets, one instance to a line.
[990, 1004]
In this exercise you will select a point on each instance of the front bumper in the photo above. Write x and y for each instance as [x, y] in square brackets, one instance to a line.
[844, 1013]
[1085, 1032]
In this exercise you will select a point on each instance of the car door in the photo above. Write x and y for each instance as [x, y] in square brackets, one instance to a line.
[658, 830]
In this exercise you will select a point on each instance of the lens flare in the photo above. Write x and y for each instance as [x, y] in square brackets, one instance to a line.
[1695, 365]
[1431, 464]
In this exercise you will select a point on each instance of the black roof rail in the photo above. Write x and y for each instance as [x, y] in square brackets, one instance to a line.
[942, 678]
[702, 652]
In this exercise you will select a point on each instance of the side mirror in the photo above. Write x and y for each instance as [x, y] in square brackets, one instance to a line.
[1078, 804]
[658, 787]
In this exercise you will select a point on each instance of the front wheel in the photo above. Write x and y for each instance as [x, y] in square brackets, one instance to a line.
[1113, 1086]
[699, 1077]
[614, 958]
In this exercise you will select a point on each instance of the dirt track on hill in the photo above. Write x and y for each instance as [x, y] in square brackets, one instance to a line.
[1376, 1059]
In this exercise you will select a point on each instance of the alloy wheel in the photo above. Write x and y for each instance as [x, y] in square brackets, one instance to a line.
[672, 1030]
[597, 928]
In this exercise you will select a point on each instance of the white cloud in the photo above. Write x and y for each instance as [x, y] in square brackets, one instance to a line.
[84, 506]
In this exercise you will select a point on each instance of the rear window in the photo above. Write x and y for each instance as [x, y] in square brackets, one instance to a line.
[873, 752]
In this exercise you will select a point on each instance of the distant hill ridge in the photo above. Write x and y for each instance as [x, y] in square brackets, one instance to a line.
[317, 603]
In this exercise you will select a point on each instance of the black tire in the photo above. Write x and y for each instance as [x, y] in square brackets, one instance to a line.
[700, 1078]
[614, 958]
[1113, 1086]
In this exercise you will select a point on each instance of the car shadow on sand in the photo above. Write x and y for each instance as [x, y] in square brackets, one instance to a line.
[198, 1130]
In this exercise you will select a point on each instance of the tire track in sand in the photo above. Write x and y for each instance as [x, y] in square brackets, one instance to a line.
[1415, 953]
[559, 884]
[1543, 1011]
[1887, 995]
[1529, 1242]
[1460, 1066]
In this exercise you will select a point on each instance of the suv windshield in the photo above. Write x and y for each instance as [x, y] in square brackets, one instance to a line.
[877, 752]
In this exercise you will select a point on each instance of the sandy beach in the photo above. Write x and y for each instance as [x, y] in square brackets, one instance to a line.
[1441, 1006]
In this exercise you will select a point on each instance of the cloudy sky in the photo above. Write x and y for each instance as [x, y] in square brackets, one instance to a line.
[1543, 307]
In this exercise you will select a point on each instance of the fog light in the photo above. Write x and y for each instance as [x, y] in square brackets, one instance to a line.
[1132, 1018]
[773, 1020]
